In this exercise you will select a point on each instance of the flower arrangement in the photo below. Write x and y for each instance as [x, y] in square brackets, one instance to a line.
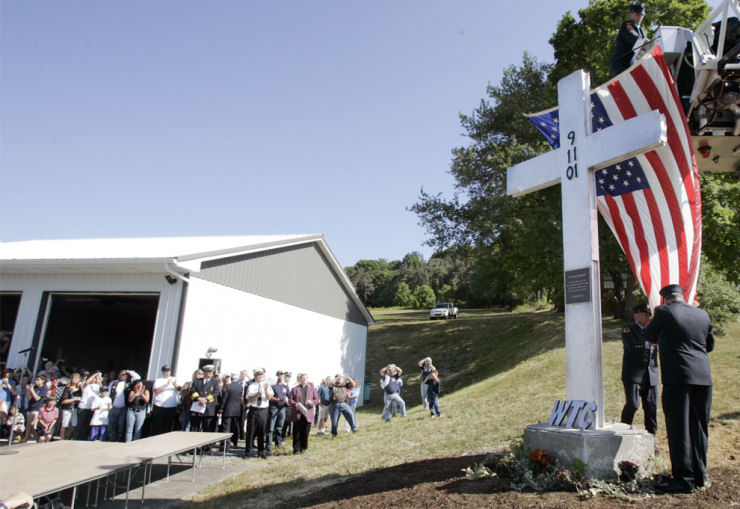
[628, 471]
[541, 462]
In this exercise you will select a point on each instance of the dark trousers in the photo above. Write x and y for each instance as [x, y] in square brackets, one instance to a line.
[231, 425]
[163, 420]
[84, 416]
[287, 429]
[301, 430]
[243, 424]
[256, 427]
[117, 424]
[686, 409]
[200, 422]
[649, 395]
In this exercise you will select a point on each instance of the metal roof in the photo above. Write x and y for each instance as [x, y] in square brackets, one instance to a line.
[147, 248]
[149, 254]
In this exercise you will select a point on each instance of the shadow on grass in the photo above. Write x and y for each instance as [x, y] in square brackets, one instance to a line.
[726, 417]
[336, 488]
[384, 480]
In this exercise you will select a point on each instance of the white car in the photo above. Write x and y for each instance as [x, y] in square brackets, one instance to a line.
[443, 311]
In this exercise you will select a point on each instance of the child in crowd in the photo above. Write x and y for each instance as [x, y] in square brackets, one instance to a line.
[99, 422]
[20, 423]
[47, 418]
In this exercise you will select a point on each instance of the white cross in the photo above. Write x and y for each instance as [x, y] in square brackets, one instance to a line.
[572, 165]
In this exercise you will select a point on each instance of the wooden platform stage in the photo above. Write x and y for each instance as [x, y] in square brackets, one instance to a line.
[45, 469]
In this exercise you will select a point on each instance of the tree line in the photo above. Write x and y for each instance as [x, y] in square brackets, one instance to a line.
[493, 249]
[413, 282]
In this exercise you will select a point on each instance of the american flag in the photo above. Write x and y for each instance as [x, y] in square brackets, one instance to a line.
[651, 202]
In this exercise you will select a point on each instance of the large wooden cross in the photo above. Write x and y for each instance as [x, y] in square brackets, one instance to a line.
[572, 165]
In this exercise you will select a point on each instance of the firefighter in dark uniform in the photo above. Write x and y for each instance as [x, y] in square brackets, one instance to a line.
[640, 371]
[630, 35]
[204, 391]
[685, 337]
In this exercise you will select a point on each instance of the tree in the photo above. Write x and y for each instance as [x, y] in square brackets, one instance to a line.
[719, 297]
[413, 270]
[721, 223]
[424, 297]
[362, 280]
[404, 298]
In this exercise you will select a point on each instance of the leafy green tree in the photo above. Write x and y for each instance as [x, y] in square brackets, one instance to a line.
[413, 270]
[404, 298]
[446, 293]
[362, 279]
[719, 297]
[721, 223]
[424, 297]
[385, 288]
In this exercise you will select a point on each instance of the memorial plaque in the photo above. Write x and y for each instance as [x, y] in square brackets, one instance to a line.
[577, 286]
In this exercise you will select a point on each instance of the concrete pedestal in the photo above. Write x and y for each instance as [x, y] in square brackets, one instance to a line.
[601, 450]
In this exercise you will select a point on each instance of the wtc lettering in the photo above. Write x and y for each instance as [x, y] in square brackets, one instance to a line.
[573, 414]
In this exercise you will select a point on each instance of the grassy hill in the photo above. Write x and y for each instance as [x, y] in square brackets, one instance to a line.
[500, 371]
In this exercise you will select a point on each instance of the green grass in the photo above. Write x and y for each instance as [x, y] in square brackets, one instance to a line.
[500, 371]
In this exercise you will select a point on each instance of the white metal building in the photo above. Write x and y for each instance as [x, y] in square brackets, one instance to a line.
[279, 302]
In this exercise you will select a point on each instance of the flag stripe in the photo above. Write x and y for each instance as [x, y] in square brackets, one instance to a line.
[639, 236]
[619, 230]
[656, 259]
[659, 234]
[674, 209]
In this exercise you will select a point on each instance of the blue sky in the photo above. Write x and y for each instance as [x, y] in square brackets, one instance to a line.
[175, 118]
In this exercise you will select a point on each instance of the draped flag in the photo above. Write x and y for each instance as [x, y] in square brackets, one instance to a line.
[651, 202]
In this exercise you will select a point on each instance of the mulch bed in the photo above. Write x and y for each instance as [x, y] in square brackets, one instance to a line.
[440, 483]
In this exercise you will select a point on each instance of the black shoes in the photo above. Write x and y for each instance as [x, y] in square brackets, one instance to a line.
[675, 486]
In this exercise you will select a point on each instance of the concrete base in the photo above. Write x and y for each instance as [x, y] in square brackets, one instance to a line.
[601, 450]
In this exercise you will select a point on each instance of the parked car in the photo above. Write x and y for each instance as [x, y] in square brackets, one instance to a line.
[443, 311]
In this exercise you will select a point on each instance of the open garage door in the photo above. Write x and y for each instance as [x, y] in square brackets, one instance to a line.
[9, 303]
[97, 331]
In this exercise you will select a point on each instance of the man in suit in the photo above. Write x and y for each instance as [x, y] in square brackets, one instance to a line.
[306, 396]
[204, 391]
[684, 336]
[232, 407]
[640, 371]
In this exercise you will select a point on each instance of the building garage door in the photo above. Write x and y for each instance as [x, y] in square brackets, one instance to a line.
[95, 331]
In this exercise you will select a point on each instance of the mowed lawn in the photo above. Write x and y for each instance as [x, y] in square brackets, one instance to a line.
[500, 371]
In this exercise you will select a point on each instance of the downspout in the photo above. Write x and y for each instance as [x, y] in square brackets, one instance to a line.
[175, 340]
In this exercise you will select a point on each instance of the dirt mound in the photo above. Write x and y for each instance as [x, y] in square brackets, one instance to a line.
[440, 482]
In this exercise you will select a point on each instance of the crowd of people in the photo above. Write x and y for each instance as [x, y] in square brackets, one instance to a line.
[122, 407]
